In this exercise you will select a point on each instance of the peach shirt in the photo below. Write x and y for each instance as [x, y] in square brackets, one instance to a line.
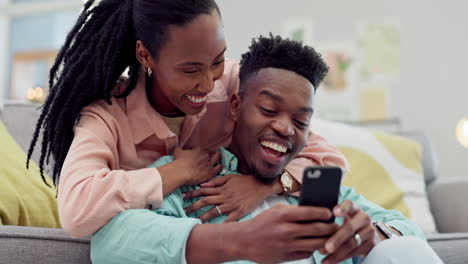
[105, 171]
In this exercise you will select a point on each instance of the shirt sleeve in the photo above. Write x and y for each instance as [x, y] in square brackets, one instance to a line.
[392, 218]
[142, 236]
[90, 192]
[317, 152]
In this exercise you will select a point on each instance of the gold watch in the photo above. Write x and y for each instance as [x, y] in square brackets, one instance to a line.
[286, 182]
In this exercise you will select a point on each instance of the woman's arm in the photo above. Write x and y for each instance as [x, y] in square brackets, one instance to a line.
[91, 188]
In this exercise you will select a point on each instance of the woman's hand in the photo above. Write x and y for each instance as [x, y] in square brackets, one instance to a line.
[343, 244]
[234, 194]
[199, 165]
[190, 167]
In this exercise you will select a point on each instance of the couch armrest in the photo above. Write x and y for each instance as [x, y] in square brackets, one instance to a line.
[448, 199]
[20, 244]
[451, 247]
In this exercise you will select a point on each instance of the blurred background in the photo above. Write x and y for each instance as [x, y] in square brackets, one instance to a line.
[394, 65]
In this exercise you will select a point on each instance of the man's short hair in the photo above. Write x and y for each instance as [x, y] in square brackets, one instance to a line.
[276, 52]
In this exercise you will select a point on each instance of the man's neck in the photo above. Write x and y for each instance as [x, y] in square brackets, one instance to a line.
[242, 166]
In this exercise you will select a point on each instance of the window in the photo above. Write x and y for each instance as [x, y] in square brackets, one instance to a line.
[34, 32]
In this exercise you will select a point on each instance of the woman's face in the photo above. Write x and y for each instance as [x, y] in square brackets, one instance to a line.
[188, 64]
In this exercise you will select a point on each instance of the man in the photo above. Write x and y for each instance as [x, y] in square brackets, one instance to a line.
[272, 113]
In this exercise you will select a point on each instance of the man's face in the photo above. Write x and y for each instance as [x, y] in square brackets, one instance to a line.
[272, 122]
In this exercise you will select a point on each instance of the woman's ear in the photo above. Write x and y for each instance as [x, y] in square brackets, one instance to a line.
[234, 107]
[143, 55]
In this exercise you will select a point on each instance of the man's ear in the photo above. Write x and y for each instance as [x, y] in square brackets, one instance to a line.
[234, 107]
[143, 55]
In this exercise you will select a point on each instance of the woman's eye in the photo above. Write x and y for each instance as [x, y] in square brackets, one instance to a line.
[219, 62]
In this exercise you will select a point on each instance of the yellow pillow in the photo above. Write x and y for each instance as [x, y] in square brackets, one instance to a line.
[24, 199]
[384, 168]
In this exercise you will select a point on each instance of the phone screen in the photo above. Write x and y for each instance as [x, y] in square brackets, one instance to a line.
[321, 187]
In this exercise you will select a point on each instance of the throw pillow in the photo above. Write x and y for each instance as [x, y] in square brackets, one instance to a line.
[24, 199]
[384, 168]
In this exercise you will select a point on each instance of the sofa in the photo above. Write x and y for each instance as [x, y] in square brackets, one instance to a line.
[21, 244]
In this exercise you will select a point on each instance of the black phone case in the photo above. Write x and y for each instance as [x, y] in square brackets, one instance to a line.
[321, 187]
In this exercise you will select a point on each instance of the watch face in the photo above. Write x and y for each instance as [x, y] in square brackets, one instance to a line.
[286, 179]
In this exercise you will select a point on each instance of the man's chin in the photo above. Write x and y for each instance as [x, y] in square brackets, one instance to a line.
[267, 177]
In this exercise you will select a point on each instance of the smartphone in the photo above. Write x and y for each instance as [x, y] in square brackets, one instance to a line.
[321, 187]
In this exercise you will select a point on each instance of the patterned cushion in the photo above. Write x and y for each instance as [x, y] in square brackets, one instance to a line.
[384, 168]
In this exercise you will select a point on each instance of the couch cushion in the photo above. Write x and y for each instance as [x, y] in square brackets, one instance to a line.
[384, 168]
[41, 245]
[20, 119]
[24, 198]
[429, 157]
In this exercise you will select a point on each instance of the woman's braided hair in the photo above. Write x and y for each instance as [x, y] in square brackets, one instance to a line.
[98, 49]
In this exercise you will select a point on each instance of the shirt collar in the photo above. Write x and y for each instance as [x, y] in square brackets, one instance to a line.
[143, 119]
[228, 160]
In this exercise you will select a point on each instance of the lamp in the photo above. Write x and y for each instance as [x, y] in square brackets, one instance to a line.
[462, 132]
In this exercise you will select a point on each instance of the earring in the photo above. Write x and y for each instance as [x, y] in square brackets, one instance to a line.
[150, 72]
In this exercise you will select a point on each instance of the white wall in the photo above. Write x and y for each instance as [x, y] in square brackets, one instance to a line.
[432, 93]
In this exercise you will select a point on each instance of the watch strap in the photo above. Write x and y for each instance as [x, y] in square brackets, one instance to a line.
[385, 229]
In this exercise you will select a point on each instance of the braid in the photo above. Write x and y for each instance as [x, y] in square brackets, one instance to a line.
[97, 50]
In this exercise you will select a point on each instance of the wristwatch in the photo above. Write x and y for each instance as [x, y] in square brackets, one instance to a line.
[286, 182]
[385, 230]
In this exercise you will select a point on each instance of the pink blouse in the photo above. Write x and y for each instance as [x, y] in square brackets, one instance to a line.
[104, 172]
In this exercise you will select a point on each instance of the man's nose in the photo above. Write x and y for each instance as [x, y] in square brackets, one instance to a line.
[283, 125]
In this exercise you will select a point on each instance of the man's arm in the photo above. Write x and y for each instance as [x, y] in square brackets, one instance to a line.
[143, 236]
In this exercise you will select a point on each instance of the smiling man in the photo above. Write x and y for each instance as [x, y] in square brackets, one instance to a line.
[272, 112]
[273, 123]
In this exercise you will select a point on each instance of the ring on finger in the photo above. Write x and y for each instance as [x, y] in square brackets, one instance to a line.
[358, 239]
[219, 210]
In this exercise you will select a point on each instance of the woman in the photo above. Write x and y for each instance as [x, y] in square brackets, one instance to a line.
[102, 131]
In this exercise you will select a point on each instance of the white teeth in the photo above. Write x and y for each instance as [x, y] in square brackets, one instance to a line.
[196, 99]
[274, 146]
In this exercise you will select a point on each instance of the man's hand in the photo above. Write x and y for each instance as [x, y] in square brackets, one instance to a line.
[286, 233]
[343, 244]
[235, 195]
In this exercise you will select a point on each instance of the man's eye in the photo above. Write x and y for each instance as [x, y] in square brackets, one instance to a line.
[268, 111]
[191, 71]
[301, 124]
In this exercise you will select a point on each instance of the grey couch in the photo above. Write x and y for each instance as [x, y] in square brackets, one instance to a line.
[43, 245]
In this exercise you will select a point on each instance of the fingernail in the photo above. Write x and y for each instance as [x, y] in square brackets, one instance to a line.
[338, 211]
[184, 195]
[329, 247]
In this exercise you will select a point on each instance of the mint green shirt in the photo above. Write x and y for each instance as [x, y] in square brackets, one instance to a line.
[160, 235]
